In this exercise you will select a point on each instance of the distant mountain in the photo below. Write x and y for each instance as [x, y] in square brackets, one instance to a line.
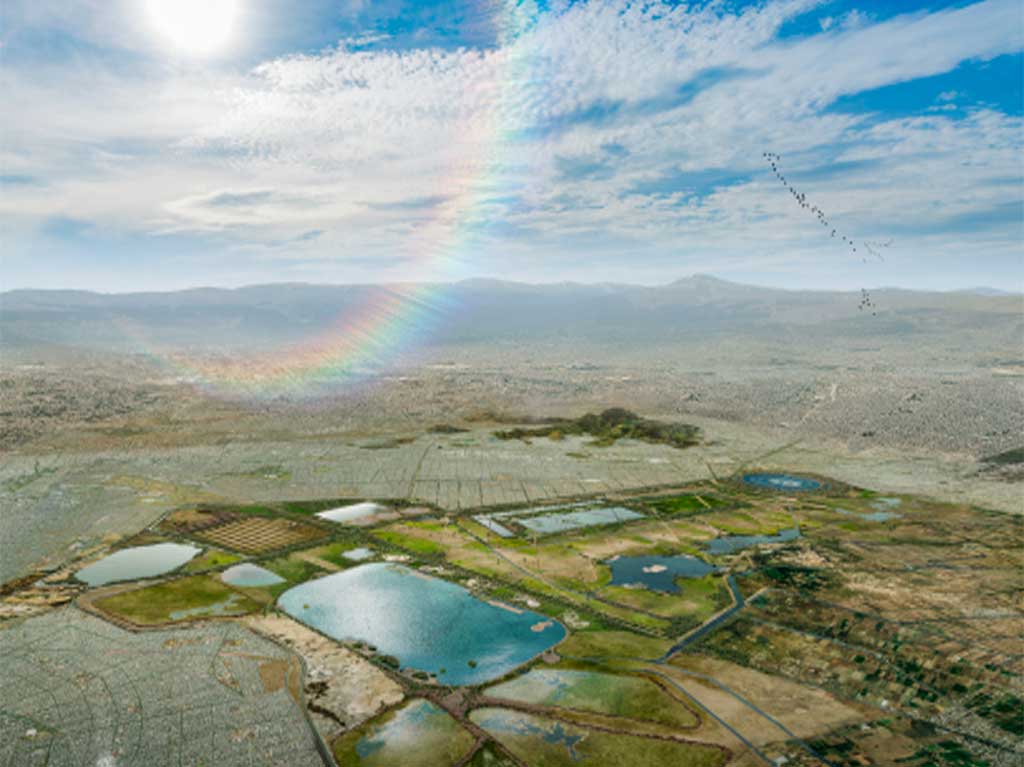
[983, 290]
[489, 310]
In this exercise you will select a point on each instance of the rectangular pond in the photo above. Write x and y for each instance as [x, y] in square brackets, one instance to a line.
[427, 623]
[573, 520]
[495, 527]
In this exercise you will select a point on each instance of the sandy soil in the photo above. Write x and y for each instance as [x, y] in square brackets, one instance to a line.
[342, 689]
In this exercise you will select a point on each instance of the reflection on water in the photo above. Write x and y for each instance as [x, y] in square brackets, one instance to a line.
[351, 512]
[730, 543]
[427, 623]
[556, 523]
[781, 482]
[248, 574]
[137, 562]
[657, 573]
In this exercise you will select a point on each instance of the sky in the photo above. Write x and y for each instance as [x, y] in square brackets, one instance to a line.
[152, 145]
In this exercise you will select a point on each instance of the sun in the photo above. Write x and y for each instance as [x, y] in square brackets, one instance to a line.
[195, 27]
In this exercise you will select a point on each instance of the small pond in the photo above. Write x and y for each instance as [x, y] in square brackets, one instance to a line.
[657, 573]
[427, 623]
[137, 562]
[732, 543]
[358, 555]
[572, 520]
[781, 482]
[248, 574]
[420, 734]
[230, 605]
[352, 512]
[495, 527]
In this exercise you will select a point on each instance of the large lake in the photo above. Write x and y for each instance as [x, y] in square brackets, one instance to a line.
[137, 562]
[427, 623]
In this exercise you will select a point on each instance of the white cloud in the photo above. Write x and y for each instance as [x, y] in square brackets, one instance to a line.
[347, 141]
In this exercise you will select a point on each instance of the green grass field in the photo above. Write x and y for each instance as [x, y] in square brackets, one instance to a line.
[610, 694]
[542, 742]
[198, 596]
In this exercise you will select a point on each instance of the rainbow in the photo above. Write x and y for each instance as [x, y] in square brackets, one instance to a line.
[394, 318]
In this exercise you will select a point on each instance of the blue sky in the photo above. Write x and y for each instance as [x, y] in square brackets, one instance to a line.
[331, 141]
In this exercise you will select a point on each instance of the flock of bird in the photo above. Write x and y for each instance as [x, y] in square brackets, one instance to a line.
[775, 161]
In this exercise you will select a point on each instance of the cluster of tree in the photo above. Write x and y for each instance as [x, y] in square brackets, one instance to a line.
[611, 425]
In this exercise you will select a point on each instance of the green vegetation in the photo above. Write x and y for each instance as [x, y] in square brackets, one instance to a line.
[197, 596]
[598, 644]
[419, 734]
[684, 505]
[609, 426]
[488, 756]
[293, 569]
[610, 694]
[1007, 457]
[946, 753]
[14, 484]
[210, 560]
[542, 742]
[446, 428]
[1006, 712]
[411, 543]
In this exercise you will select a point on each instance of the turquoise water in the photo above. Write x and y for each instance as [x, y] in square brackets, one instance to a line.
[730, 543]
[137, 562]
[351, 512]
[557, 523]
[427, 623]
[247, 574]
[657, 573]
[781, 482]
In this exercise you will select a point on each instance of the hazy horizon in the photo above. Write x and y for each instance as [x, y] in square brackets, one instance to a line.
[967, 288]
[151, 146]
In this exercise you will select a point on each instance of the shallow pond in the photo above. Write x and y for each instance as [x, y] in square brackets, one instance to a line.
[500, 722]
[871, 516]
[137, 562]
[427, 623]
[572, 520]
[495, 527]
[351, 512]
[781, 482]
[731, 543]
[358, 555]
[419, 734]
[230, 605]
[248, 574]
[657, 573]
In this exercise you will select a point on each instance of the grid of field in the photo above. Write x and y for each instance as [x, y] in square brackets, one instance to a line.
[257, 535]
[77, 691]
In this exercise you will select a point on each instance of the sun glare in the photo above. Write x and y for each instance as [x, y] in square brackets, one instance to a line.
[196, 27]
